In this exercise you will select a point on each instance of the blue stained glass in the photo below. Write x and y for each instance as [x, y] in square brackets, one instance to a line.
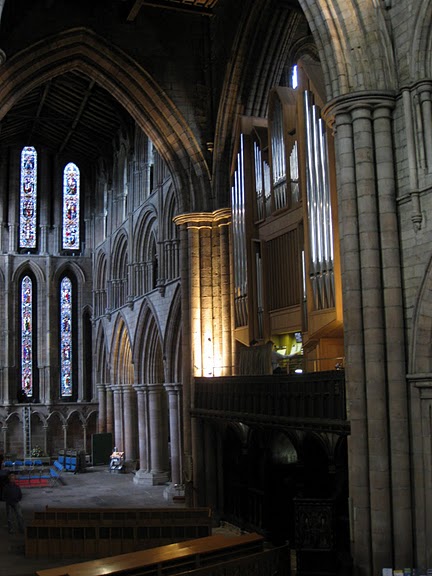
[27, 336]
[66, 337]
[71, 198]
[28, 198]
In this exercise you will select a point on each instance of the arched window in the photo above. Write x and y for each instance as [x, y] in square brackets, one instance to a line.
[71, 207]
[66, 337]
[28, 198]
[27, 336]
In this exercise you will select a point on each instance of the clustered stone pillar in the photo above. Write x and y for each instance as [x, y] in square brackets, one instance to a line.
[143, 448]
[109, 410]
[129, 420]
[102, 414]
[174, 406]
[206, 315]
[373, 331]
[118, 418]
[153, 441]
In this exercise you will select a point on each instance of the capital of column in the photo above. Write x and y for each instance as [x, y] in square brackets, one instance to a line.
[155, 387]
[424, 88]
[139, 388]
[344, 106]
[173, 388]
[126, 387]
[116, 388]
[204, 219]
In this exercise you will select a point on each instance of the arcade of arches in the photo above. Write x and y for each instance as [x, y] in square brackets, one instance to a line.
[179, 178]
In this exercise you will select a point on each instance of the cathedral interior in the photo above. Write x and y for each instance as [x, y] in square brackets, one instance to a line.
[215, 247]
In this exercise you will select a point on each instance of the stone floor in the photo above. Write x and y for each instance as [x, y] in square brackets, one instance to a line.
[96, 487]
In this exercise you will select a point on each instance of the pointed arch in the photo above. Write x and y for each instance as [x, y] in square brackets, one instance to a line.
[120, 256]
[83, 50]
[173, 339]
[349, 35]
[122, 368]
[420, 357]
[148, 352]
[169, 229]
[29, 265]
[146, 252]
[102, 368]
[420, 61]
[100, 284]
[72, 268]
[146, 226]
[119, 271]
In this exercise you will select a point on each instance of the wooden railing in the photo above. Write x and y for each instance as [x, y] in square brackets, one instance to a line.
[213, 555]
[313, 400]
[99, 532]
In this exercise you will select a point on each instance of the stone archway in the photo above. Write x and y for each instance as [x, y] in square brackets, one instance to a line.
[80, 49]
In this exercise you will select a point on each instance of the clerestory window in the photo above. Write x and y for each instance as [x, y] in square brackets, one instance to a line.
[71, 207]
[28, 198]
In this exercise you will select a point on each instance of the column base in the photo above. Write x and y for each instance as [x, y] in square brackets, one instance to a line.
[174, 492]
[144, 478]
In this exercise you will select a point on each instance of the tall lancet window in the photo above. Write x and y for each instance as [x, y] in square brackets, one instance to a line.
[27, 336]
[71, 207]
[66, 337]
[28, 198]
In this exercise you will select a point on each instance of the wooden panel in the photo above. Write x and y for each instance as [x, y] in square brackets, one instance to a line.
[191, 553]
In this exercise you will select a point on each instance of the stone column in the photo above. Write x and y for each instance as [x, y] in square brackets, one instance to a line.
[187, 361]
[225, 300]
[424, 90]
[128, 419]
[109, 410]
[4, 436]
[143, 447]
[102, 414]
[44, 239]
[174, 404]
[205, 338]
[84, 426]
[421, 406]
[118, 418]
[395, 336]
[65, 428]
[373, 332]
[45, 439]
[158, 473]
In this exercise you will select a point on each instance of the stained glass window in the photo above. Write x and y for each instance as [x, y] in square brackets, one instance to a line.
[28, 198]
[27, 336]
[66, 337]
[71, 198]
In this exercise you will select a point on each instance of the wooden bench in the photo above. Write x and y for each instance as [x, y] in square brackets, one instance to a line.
[186, 557]
[97, 532]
